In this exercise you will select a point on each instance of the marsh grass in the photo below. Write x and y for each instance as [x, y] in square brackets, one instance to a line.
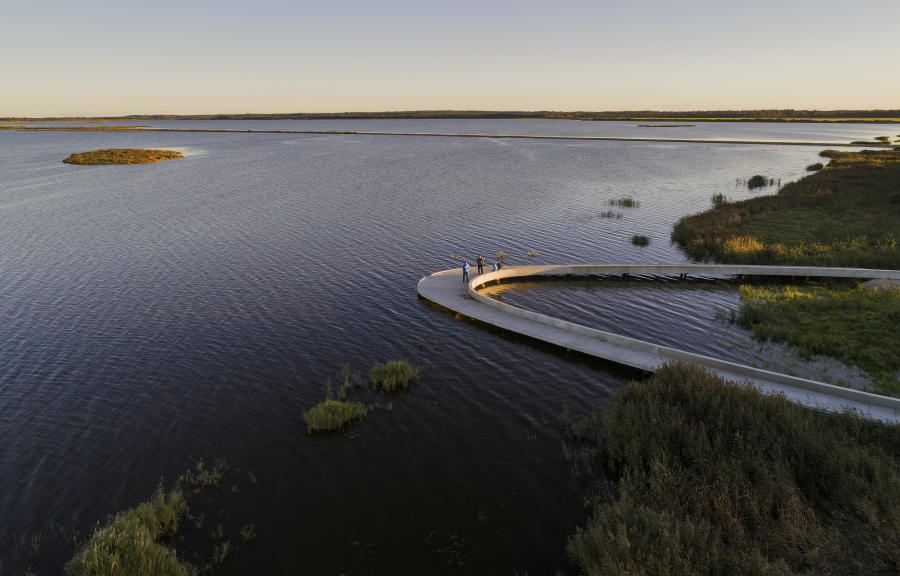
[121, 156]
[709, 477]
[857, 326]
[846, 214]
[332, 415]
[815, 167]
[640, 240]
[533, 253]
[393, 375]
[611, 214]
[132, 542]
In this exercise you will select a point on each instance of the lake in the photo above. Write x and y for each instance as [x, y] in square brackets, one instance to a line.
[153, 315]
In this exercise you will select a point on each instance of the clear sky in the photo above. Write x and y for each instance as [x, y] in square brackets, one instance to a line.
[98, 57]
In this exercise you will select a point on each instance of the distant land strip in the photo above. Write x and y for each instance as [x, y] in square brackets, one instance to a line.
[440, 135]
[775, 115]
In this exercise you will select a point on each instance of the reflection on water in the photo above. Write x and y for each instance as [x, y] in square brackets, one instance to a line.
[154, 314]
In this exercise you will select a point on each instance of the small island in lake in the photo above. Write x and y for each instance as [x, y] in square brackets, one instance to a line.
[122, 156]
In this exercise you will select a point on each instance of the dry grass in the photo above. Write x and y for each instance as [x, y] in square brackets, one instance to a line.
[121, 156]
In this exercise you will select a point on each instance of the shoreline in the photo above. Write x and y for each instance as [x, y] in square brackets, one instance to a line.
[447, 135]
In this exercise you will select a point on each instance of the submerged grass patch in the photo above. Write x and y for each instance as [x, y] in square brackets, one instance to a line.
[708, 477]
[333, 415]
[640, 240]
[626, 202]
[854, 325]
[393, 375]
[132, 542]
[121, 156]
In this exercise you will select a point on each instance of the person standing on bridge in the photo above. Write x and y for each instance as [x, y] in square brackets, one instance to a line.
[480, 264]
[466, 271]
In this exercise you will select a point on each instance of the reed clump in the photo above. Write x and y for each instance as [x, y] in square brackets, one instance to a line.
[332, 415]
[132, 542]
[640, 240]
[626, 202]
[710, 477]
[393, 375]
[121, 156]
[758, 181]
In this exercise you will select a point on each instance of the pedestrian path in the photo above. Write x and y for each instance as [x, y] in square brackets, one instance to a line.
[447, 289]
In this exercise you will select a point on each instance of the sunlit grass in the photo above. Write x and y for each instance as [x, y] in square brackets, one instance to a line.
[847, 214]
[132, 542]
[333, 415]
[857, 326]
[122, 156]
[393, 375]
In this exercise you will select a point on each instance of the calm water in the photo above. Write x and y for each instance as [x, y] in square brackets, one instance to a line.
[159, 313]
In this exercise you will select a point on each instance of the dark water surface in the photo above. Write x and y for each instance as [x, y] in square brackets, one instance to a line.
[154, 314]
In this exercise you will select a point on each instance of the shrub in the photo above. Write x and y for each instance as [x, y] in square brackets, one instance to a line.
[393, 375]
[710, 477]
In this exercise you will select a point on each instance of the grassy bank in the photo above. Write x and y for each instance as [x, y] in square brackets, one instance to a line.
[121, 156]
[707, 477]
[847, 214]
[861, 327]
[132, 542]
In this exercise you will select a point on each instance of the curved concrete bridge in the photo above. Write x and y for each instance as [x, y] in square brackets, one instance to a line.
[447, 289]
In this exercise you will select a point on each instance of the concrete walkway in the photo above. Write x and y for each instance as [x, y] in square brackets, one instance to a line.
[447, 289]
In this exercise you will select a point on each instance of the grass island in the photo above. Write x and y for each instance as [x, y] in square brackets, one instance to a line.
[108, 156]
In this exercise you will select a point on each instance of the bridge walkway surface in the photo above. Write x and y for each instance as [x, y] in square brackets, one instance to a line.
[447, 289]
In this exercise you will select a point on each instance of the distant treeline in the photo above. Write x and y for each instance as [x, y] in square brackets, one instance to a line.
[708, 115]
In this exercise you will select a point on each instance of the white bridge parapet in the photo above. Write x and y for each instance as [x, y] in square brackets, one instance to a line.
[447, 289]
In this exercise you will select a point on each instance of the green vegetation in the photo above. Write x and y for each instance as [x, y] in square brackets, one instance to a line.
[611, 214]
[759, 181]
[709, 477]
[501, 255]
[332, 415]
[121, 156]
[847, 214]
[533, 253]
[815, 167]
[627, 202]
[883, 139]
[855, 325]
[393, 375]
[640, 240]
[132, 542]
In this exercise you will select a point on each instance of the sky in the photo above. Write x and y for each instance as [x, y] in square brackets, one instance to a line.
[96, 57]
